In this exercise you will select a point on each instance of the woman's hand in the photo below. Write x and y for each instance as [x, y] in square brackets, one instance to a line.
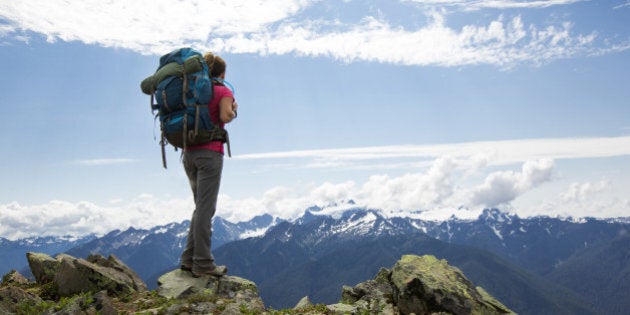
[234, 107]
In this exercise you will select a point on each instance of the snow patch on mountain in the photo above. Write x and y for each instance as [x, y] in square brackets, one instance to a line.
[253, 233]
[362, 222]
[496, 232]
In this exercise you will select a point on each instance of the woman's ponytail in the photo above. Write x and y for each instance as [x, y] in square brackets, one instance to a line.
[216, 64]
[209, 58]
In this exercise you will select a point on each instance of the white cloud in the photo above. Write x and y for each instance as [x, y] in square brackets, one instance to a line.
[81, 218]
[472, 155]
[500, 188]
[583, 199]
[329, 193]
[282, 27]
[6, 29]
[497, 43]
[579, 192]
[441, 191]
[145, 26]
[627, 4]
[496, 4]
[418, 191]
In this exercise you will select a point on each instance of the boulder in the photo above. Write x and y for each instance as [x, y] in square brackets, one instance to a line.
[425, 285]
[179, 284]
[116, 264]
[378, 290]
[418, 285]
[370, 295]
[342, 308]
[103, 304]
[43, 267]
[14, 277]
[79, 275]
[303, 303]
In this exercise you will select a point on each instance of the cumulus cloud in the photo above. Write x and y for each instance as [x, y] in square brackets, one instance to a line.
[583, 199]
[289, 27]
[580, 192]
[81, 218]
[501, 188]
[439, 192]
[419, 191]
[330, 193]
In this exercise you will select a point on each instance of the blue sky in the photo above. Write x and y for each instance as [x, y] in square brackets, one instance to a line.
[439, 106]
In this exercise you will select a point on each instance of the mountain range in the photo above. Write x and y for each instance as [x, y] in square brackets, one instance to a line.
[13, 253]
[537, 265]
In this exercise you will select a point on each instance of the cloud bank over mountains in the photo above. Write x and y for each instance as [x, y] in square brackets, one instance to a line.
[430, 34]
[457, 180]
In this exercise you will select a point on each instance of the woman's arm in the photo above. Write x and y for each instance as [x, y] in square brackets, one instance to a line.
[227, 109]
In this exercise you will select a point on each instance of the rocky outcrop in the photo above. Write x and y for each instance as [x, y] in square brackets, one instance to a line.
[419, 285]
[12, 296]
[234, 292]
[43, 267]
[98, 285]
[14, 277]
[76, 275]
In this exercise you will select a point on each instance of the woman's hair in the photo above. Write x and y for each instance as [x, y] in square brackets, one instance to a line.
[216, 64]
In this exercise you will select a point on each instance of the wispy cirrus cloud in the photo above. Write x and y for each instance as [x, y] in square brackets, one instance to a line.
[496, 4]
[623, 5]
[503, 152]
[288, 27]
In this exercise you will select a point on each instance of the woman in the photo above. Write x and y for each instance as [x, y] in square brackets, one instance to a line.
[203, 164]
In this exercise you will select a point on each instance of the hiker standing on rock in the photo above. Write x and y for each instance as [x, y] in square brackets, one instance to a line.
[203, 164]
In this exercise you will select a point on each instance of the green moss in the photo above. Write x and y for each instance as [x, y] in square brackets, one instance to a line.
[49, 291]
[434, 273]
[202, 297]
[84, 300]
[30, 307]
[311, 309]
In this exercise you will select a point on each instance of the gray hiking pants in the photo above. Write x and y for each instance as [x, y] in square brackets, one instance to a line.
[203, 168]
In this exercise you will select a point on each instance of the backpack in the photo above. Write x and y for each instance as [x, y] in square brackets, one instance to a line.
[181, 90]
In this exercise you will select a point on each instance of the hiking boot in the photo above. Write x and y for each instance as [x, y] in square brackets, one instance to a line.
[218, 271]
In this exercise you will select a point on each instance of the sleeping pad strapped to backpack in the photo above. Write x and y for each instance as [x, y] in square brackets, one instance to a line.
[182, 89]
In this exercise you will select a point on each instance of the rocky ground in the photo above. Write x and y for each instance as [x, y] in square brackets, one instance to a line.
[99, 285]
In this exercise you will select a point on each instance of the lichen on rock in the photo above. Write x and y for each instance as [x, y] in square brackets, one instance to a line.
[414, 285]
[425, 284]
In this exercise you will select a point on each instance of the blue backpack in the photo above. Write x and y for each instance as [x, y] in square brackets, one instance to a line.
[182, 89]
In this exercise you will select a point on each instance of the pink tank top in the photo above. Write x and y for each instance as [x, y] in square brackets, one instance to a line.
[220, 92]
